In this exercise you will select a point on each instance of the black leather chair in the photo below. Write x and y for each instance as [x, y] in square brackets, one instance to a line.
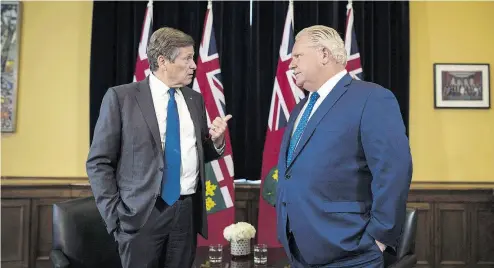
[80, 239]
[405, 255]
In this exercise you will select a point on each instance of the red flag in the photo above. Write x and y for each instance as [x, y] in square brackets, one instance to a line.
[142, 64]
[353, 66]
[219, 173]
[286, 95]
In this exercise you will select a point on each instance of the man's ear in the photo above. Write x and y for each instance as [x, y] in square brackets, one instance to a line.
[163, 62]
[325, 56]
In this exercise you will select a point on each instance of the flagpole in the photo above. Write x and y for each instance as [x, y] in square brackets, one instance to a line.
[351, 39]
[348, 30]
[290, 7]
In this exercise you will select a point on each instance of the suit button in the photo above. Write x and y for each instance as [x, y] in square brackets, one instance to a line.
[161, 169]
[284, 203]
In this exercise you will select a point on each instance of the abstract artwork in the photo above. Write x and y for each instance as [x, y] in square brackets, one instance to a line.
[10, 61]
[458, 85]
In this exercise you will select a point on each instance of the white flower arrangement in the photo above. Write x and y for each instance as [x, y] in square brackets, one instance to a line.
[239, 231]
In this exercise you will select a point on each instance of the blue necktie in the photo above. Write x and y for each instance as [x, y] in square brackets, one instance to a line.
[170, 190]
[300, 127]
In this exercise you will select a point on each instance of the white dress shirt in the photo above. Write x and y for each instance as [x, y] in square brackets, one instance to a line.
[323, 92]
[189, 170]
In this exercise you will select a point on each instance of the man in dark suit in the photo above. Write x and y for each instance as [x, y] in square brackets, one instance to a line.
[146, 162]
[345, 165]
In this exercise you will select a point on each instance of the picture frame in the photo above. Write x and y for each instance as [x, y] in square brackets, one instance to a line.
[462, 85]
[10, 30]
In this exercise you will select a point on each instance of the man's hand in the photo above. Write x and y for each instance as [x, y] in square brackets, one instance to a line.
[381, 246]
[218, 128]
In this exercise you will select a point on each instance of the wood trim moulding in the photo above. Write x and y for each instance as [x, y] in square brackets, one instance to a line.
[452, 185]
[45, 187]
[26, 182]
[43, 181]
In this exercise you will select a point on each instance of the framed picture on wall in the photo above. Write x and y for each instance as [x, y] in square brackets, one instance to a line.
[461, 85]
[10, 16]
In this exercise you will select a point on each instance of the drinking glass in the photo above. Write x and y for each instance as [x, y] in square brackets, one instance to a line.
[260, 254]
[215, 253]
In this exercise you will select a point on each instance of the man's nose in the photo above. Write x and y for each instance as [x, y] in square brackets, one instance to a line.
[291, 66]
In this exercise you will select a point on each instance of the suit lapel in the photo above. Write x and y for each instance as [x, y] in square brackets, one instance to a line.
[194, 112]
[322, 110]
[289, 129]
[145, 103]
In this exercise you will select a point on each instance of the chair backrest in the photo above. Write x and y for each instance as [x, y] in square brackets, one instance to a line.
[407, 243]
[79, 232]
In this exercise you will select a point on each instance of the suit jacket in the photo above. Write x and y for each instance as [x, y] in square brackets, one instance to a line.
[348, 183]
[126, 161]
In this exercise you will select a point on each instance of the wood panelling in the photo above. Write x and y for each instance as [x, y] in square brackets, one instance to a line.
[41, 231]
[247, 203]
[455, 221]
[27, 218]
[451, 229]
[482, 233]
[425, 256]
[15, 232]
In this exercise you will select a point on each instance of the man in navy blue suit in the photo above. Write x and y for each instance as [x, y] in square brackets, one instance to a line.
[345, 165]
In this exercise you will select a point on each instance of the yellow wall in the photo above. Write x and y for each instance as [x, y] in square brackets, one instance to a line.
[52, 135]
[450, 145]
[53, 113]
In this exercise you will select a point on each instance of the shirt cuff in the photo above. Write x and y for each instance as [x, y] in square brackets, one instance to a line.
[389, 249]
[381, 246]
[220, 150]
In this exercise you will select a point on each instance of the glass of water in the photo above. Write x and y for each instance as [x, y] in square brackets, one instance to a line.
[260, 254]
[216, 253]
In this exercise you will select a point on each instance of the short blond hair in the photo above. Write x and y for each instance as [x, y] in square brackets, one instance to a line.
[329, 38]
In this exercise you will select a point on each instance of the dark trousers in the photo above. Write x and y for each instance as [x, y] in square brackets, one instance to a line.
[299, 262]
[168, 239]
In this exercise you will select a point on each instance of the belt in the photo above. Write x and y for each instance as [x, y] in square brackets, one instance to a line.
[183, 197]
[161, 205]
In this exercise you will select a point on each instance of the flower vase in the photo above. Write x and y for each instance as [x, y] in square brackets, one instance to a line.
[240, 247]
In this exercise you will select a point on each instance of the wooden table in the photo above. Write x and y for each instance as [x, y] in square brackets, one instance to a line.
[276, 258]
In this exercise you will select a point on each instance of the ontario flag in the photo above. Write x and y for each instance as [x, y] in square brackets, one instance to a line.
[353, 66]
[219, 173]
[285, 96]
[142, 64]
